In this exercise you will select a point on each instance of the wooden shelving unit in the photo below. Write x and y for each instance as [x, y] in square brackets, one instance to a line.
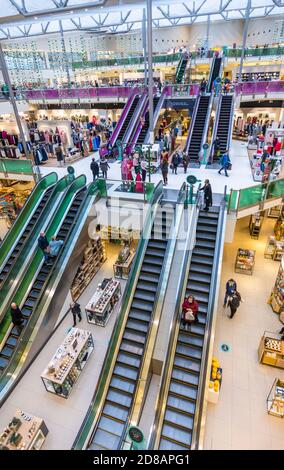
[93, 258]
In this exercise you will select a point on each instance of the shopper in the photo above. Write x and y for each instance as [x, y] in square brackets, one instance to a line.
[234, 303]
[43, 244]
[174, 164]
[203, 86]
[17, 317]
[59, 155]
[143, 169]
[225, 163]
[207, 191]
[55, 246]
[138, 183]
[189, 311]
[95, 169]
[231, 287]
[185, 162]
[165, 170]
[217, 145]
[76, 312]
[104, 166]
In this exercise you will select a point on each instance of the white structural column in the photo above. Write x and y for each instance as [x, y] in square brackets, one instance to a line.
[64, 53]
[144, 45]
[150, 69]
[245, 33]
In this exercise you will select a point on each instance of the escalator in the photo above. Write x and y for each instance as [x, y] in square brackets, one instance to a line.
[215, 72]
[224, 124]
[144, 130]
[24, 248]
[199, 128]
[179, 417]
[127, 119]
[181, 70]
[120, 394]
[37, 276]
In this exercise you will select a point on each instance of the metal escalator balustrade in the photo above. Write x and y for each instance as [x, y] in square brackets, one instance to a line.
[179, 417]
[127, 119]
[25, 235]
[125, 375]
[144, 129]
[198, 128]
[39, 284]
[223, 125]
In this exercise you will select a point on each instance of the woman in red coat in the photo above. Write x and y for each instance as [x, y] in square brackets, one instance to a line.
[189, 311]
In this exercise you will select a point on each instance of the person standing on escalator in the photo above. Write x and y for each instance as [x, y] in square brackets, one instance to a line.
[207, 191]
[43, 244]
[17, 317]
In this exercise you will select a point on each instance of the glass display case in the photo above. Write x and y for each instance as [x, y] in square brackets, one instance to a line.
[255, 225]
[245, 261]
[271, 350]
[274, 249]
[275, 399]
[101, 305]
[24, 432]
[68, 362]
[122, 266]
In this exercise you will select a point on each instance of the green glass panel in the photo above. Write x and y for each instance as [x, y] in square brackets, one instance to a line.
[150, 187]
[25, 214]
[251, 196]
[233, 199]
[275, 189]
[101, 185]
[18, 166]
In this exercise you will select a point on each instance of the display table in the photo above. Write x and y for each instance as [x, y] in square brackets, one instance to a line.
[275, 399]
[271, 350]
[24, 432]
[255, 225]
[101, 305]
[68, 362]
[245, 261]
[274, 249]
[215, 382]
[122, 269]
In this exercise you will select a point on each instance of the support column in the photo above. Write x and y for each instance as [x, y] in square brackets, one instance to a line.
[245, 33]
[65, 54]
[7, 80]
[207, 32]
[144, 45]
[150, 70]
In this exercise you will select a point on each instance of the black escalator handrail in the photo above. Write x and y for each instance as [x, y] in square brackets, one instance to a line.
[192, 124]
[84, 436]
[198, 416]
[22, 340]
[230, 129]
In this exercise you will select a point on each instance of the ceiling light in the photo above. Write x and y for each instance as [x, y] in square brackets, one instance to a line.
[71, 12]
[35, 18]
[86, 9]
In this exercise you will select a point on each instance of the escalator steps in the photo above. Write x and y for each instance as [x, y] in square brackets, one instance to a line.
[7, 352]
[27, 311]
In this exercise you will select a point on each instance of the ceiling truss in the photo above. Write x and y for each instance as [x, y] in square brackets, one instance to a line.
[100, 15]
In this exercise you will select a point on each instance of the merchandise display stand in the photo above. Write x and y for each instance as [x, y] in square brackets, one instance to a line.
[24, 432]
[123, 264]
[215, 381]
[275, 212]
[255, 225]
[94, 257]
[68, 362]
[279, 229]
[274, 249]
[101, 305]
[277, 295]
[275, 399]
[245, 261]
[271, 350]
[116, 234]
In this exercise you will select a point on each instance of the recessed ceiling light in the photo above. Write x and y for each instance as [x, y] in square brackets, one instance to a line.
[71, 12]
[86, 9]
[35, 17]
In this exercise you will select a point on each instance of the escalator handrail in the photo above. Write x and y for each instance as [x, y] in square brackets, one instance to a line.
[230, 130]
[192, 123]
[135, 117]
[19, 221]
[3, 396]
[90, 422]
[156, 113]
[163, 281]
[211, 73]
[123, 116]
[215, 129]
[215, 277]
[207, 119]
[138, 126]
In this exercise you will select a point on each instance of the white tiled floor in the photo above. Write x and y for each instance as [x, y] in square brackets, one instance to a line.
[240, 176]
[239, 420]
[64, 417]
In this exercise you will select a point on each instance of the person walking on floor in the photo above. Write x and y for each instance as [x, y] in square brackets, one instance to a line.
[185, 162]
[143, 169]
[231, 287]
[225, 163]
[76, 312]
[174, 164]
[207, 191]
[95, 169]
[17, 317]
[234, 303]
[189, 311]
[165, 170]
[104, 166]
[43, 244]
[59, 155]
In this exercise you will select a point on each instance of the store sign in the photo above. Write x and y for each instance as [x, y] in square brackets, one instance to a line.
[137, 437]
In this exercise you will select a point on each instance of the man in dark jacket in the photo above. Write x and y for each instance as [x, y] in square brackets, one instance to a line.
[95, 169]
[207, 190]
[231, 287]
[43, 244]
[76, 312]
[17, 316]
[174, 163]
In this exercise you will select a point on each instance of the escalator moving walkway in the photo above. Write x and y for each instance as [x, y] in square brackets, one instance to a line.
[127, 119]
[216, 71]
[198, 128]
[178, 423]
[22, 240]
[144, 130]
[125, 375]
[39, 285]
[224, 124]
